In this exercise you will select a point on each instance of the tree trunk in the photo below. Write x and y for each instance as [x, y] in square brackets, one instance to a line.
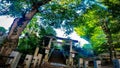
[17, 27]
[109, 40]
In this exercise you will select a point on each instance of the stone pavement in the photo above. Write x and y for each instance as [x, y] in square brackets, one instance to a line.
[107, 66]
[49, 65]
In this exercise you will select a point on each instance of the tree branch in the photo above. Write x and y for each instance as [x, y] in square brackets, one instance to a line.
[15, 29]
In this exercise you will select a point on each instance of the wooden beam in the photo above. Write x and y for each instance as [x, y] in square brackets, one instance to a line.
[55, 37]
[61, 42]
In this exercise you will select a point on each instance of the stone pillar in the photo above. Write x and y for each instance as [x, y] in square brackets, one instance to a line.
[70, 56]
[36, 61]
[47, 53]
[113, 55]
[80, 63]
[116, 63]
[36, 51]
[119, 62]
[85, 64]
[47, 49]
[14, 61]
[97, 64]
[27, 61]
[39, 59]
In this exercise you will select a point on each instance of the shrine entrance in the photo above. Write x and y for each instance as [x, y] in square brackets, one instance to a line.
[55, 57]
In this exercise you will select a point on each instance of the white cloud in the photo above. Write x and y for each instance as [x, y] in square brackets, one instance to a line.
[74, 36]
[6, 21]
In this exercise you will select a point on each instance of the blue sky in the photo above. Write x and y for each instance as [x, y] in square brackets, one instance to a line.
[6, 21]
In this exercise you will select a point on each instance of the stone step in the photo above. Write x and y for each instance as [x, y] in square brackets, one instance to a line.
[53, 65]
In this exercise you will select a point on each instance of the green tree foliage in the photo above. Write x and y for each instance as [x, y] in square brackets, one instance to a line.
[57, 13]
[67, 14]
[17, 8]
[32, 36]
[2, 34]
[91, 29]
[112, 24]
[113, 19]
[88, 26]
[2, 29]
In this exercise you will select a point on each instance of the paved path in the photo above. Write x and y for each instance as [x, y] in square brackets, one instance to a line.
[109, 66]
